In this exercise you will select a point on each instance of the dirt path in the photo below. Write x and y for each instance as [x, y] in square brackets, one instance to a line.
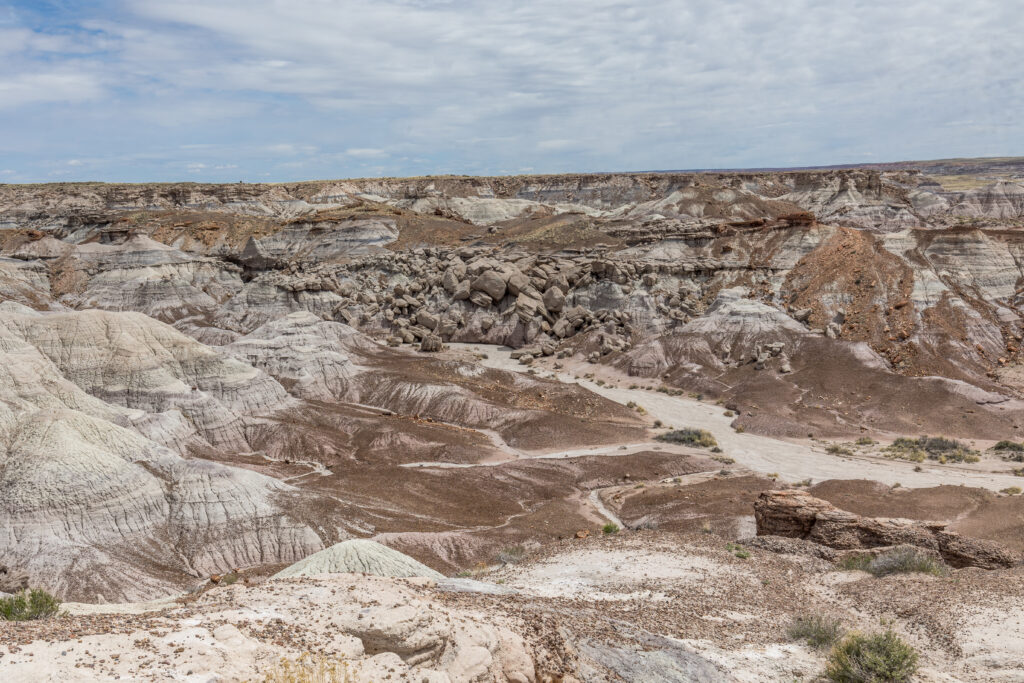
[792, 461]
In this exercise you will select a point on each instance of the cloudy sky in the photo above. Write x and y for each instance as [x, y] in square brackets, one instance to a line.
[228, 90]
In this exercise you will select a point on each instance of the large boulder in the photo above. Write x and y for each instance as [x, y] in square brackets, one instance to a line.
[798, 514]
[491, 283]
[462, 291]
[554, 299]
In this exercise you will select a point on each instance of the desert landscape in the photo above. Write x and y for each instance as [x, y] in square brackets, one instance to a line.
[609, 427]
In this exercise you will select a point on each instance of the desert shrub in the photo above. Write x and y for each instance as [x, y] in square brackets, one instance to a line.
[688, 436]
[716, 449]
[816, 630]
[906, 560]
[28, 605]
[1009, 446]
[309, 669]
[728, 413]
[610, 528]
[855, 563]
[724, 459]
[898, 561]
[1011, 491]
[658, 423]
[877, 658]
[1018, 472]
[805, 482]
[511, 555]
[865, 441]
[931, 447]
[838, 449]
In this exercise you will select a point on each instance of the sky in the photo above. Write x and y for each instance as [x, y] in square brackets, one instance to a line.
[282, 90]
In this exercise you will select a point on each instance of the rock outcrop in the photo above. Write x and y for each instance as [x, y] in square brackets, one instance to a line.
[797, 514]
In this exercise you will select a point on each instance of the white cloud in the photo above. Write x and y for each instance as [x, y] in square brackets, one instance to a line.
[49, 86]
[366, 152]
[478, 86]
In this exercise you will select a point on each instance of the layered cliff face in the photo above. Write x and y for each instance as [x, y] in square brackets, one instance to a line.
[242, 374]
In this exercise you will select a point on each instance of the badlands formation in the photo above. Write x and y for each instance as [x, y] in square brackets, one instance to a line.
[383, 422]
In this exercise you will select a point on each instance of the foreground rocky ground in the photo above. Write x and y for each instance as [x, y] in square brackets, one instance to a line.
[645, 605]
[197, 379]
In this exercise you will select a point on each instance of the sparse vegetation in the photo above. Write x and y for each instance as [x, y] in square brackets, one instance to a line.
[1010, 450]
[658, 424]
[29, 605]
[728, 413]
[724, 459]
[816, 630]
[309, 669]
[932, 448]
[805, 482]
[716, 449]
[610, 528]
[1009, 446]
[853, 563]
[1011, 491]
[512, 554]
[877, 658]
[865, 441]
[897, 561]
[739, 429]
[1019, 472]
[737, 550]
[838, 449]
[688, 436]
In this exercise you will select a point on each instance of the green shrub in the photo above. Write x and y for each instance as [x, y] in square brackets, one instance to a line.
[610, 528]
[815, 630]
[906, 560]
[511, 555]
[688, 436]
[855, 563]
[878, 658]
[931, 447]
[27, 605]
[897, 561]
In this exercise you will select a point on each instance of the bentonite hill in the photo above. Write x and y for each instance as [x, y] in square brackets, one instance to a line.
[448, 428]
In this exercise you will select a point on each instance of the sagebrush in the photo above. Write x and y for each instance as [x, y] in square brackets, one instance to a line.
[878, 658]
[689, 436]
[28, 605]
[816, 630]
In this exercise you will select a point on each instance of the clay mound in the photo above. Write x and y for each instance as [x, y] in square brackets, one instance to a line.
[359, 556]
